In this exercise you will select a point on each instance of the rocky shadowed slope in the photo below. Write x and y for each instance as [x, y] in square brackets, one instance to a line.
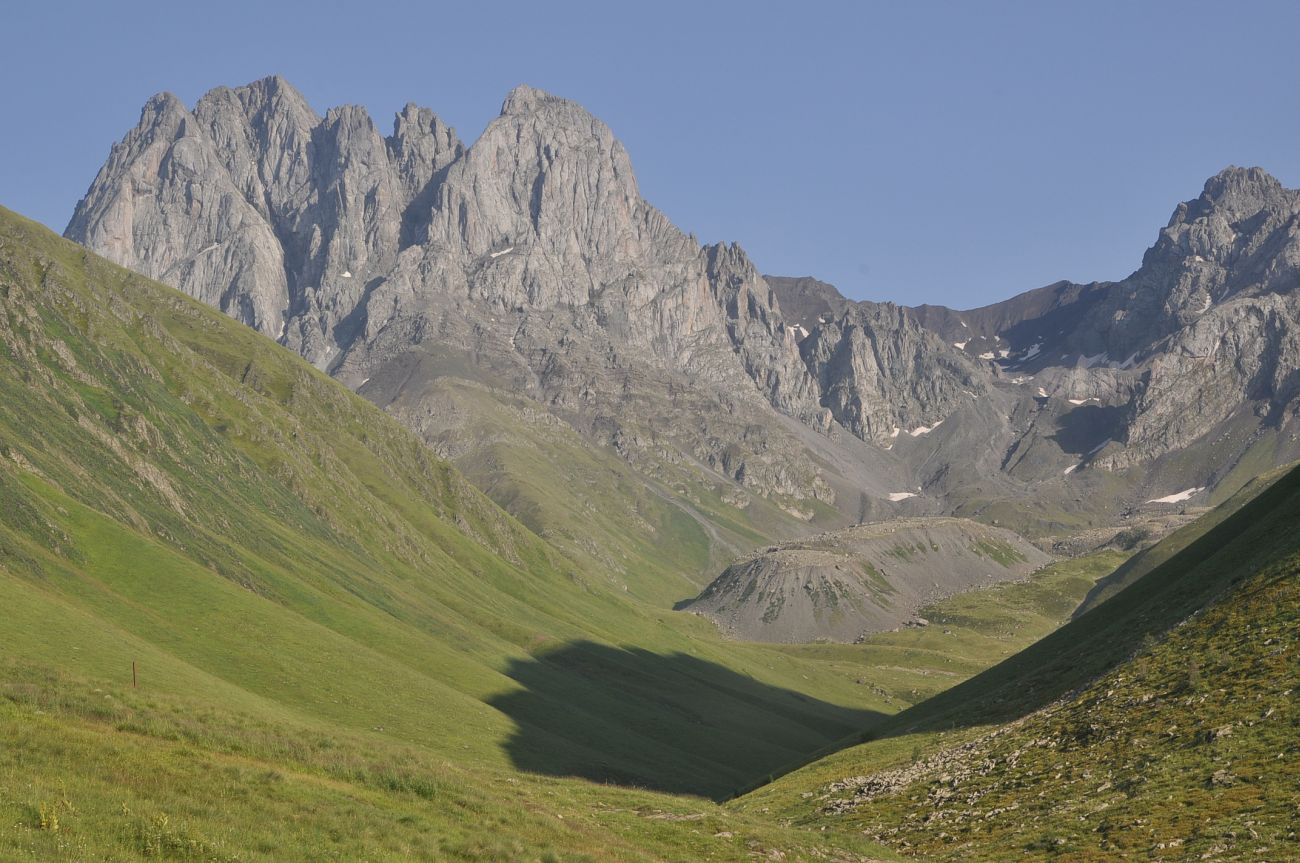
[1202, 334]
[1178, 380]
[1162, 724]
[843, 585]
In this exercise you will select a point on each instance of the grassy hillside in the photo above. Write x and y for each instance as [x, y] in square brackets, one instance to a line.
[181, 492]
[1145, 561]
[101, 771]
[1183, 748]
[336, 637]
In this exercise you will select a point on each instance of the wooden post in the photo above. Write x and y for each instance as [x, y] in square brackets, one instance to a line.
[134, 682]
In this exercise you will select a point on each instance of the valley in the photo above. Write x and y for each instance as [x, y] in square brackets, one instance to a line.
[387, 497]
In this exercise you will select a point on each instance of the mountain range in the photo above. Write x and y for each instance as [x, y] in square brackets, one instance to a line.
[385, 497]
[525, 273]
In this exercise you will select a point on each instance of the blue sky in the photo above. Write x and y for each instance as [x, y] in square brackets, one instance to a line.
[950, 153]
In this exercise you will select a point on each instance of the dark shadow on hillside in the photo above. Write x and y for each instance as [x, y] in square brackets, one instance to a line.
[670, 723]
[1083, 428]
[1260, 532]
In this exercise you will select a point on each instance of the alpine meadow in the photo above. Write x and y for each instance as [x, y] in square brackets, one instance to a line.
[385, 495]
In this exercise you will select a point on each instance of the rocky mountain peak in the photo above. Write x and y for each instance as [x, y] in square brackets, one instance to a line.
[524, 99]
[161, 105]
[545, 172]
[1241, 192]
[272, 101]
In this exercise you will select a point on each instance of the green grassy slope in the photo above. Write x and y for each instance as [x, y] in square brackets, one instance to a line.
[103, 772]
[334, 631]
[1147, 560]
[1184, 750]
[1255, 534]
[178, 491]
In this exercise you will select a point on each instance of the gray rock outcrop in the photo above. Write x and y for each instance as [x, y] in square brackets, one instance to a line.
[839, 586]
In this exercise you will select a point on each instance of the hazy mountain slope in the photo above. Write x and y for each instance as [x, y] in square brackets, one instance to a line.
[843, 585]
[1202, 333]
[527, 264]
[182, 492]
[1181, 750]
[1178, 379]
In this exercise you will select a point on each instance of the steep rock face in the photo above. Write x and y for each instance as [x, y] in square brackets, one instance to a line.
[531, 257]
[1200, 342]
[165, 205]
[530, 262]
[1205, 329]
[839, 586]
[880, 373]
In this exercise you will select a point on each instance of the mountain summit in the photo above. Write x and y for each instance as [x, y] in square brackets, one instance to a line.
[529, 264]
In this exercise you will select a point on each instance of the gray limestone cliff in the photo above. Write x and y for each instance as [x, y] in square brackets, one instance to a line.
[530, 262]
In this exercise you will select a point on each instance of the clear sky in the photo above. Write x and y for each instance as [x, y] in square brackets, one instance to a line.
[951, 153]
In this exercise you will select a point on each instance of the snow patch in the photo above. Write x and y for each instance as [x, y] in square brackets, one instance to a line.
[1042, 393]
[1004, 353]
[961, 346]
[1098, 448]
[504, 251]
[347, 274]
[1178, 497]
[1095, 359]
[1032, 352]
[1071, 469]
[1208, 302]
[1082, 401]
[895, 431]
[896, 496]
[920, 430]
[963, 323]
[987, 355]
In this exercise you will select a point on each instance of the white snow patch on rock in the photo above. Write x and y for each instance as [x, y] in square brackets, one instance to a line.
[920, 430]
[1178, 497]
[961, 346]
[896, 496]
[1098, 448]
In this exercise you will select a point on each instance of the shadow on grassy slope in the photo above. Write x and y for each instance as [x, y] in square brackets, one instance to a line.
[672, 722]
[1261, 531]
